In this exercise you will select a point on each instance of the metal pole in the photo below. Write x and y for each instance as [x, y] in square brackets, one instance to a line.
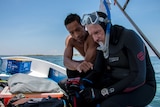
[139, 31]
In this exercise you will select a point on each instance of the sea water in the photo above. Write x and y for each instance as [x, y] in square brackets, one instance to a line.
[58, 59]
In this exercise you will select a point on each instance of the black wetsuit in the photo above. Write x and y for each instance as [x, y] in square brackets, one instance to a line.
[127, 73]
[75, 73]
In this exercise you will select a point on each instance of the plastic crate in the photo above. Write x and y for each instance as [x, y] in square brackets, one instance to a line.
[55, 75]
[18, 66]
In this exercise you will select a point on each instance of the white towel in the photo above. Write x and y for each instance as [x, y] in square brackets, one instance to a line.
[23, 83]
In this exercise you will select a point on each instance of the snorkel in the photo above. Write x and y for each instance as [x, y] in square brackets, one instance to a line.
[105, 47]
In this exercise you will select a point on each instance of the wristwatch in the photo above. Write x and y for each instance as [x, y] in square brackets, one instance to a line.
[104, 92]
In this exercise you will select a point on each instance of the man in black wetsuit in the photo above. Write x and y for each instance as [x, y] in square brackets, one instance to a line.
[123, 75]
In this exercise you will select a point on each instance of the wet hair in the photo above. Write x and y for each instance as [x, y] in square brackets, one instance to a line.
[72, 17]
[102, 24]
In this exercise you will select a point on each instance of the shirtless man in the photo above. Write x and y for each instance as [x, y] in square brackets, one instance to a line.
[82, 42]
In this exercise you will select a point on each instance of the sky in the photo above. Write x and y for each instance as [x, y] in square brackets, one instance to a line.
[37, 26]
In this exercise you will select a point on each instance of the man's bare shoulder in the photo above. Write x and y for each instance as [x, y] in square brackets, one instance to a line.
[90, 40]
[69, 40]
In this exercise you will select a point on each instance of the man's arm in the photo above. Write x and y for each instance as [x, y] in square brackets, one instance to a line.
[90, 49]
[90, 55]
[68, 54]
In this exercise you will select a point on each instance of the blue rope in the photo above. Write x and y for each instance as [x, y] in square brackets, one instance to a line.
[107, 9]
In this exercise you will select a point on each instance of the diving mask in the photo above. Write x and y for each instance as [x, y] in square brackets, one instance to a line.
[93, 18]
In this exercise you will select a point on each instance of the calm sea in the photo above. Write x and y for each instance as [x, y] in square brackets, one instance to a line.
[155, 61]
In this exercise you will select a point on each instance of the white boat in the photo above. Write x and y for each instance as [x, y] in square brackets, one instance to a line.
[38, 68]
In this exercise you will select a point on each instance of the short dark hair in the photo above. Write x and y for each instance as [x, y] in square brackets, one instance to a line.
[72, 17]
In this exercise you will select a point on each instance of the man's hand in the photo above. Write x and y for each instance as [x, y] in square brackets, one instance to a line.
[92, 94]
[84, 66]
[77, 84]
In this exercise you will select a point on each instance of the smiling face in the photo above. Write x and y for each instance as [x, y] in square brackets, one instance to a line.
[77, 31]
[97, 32]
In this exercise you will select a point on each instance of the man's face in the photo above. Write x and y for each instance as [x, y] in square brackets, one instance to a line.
[77, 31]
[97, 32]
